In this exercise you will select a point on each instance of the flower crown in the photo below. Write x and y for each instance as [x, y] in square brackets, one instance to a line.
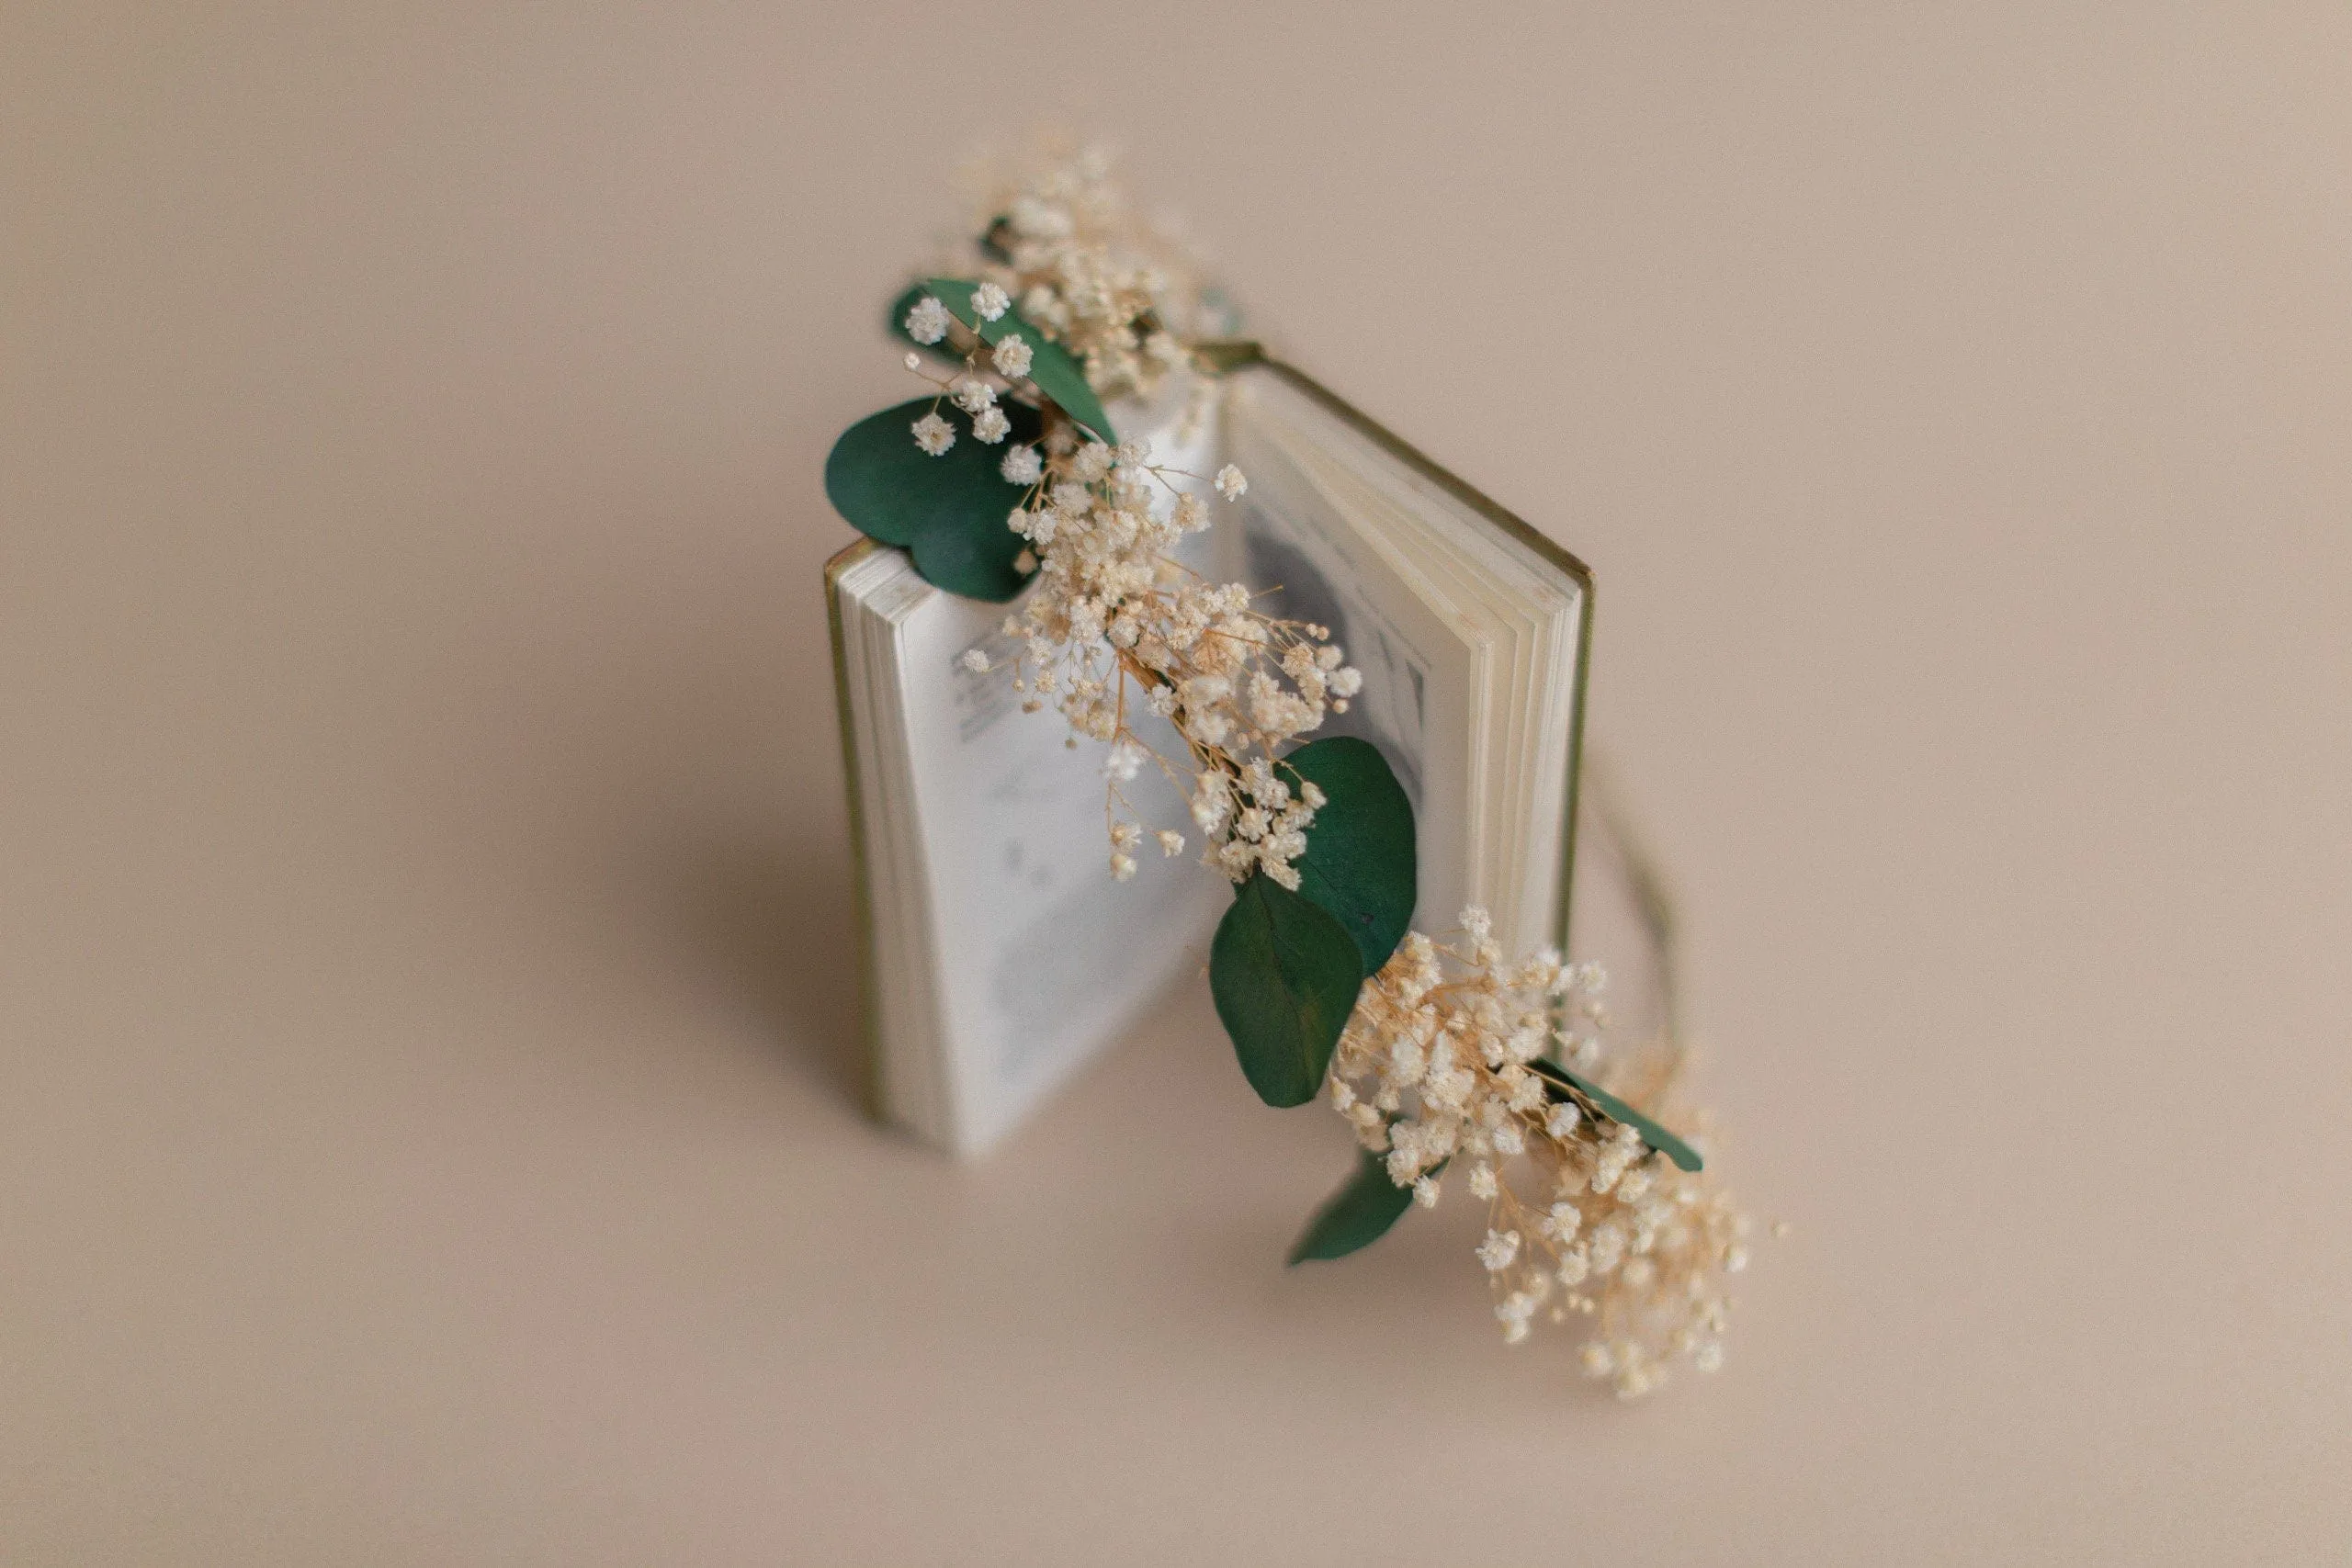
[1006, 482]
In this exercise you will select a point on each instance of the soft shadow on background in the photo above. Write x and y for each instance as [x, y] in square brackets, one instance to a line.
[763, 918]
[428, 1011]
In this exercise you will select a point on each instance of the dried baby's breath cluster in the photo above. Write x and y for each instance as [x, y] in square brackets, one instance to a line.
[1116, 626]
[1123, 295]
[1438, 1069]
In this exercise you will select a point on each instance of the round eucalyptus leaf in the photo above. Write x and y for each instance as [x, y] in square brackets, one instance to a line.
[948, 512]
[1051, 367]
[1284, 976]
[1358, 1215]
[1360, 865]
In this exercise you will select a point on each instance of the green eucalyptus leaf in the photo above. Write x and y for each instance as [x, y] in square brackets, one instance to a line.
[1057, 374]
[1358, 1215]
[1284, 976]
[948, 512]
[1566, 1085]
[992, 240]
[1355, 1216]
[1359, 866]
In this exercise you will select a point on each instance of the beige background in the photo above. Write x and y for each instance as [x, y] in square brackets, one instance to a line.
[425, 1010]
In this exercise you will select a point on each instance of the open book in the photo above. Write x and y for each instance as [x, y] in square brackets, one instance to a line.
[999, 955]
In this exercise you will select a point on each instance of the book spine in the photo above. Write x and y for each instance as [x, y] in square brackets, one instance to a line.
[869, 993]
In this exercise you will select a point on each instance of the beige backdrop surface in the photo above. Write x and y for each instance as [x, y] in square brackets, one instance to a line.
[425, 999]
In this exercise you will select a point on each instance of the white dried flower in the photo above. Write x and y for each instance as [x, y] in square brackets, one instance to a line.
[1497, 1250]
[975, 660]
[1022, 465]
[1171, 843]
[934, 435]
[1011, 357]
[1230, 483]
[990, 301]
[1040, 220]
[990, 426]
[1514, 1310]
[1123, 762]
[926, 321]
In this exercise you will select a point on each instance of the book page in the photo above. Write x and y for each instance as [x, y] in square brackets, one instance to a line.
[1310, 563]
[1041, 954]
[1409, 545]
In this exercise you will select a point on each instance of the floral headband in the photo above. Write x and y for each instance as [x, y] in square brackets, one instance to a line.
[1007, 481]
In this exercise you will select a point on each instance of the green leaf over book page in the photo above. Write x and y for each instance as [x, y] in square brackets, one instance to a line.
[1284, 976]
[1560, 1082]
[948, 512]
[1057, 375]
[1359, 866]
[1358, 1215]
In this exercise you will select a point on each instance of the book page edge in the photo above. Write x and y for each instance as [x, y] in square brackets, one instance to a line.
[870, 984]
[1244, 354]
